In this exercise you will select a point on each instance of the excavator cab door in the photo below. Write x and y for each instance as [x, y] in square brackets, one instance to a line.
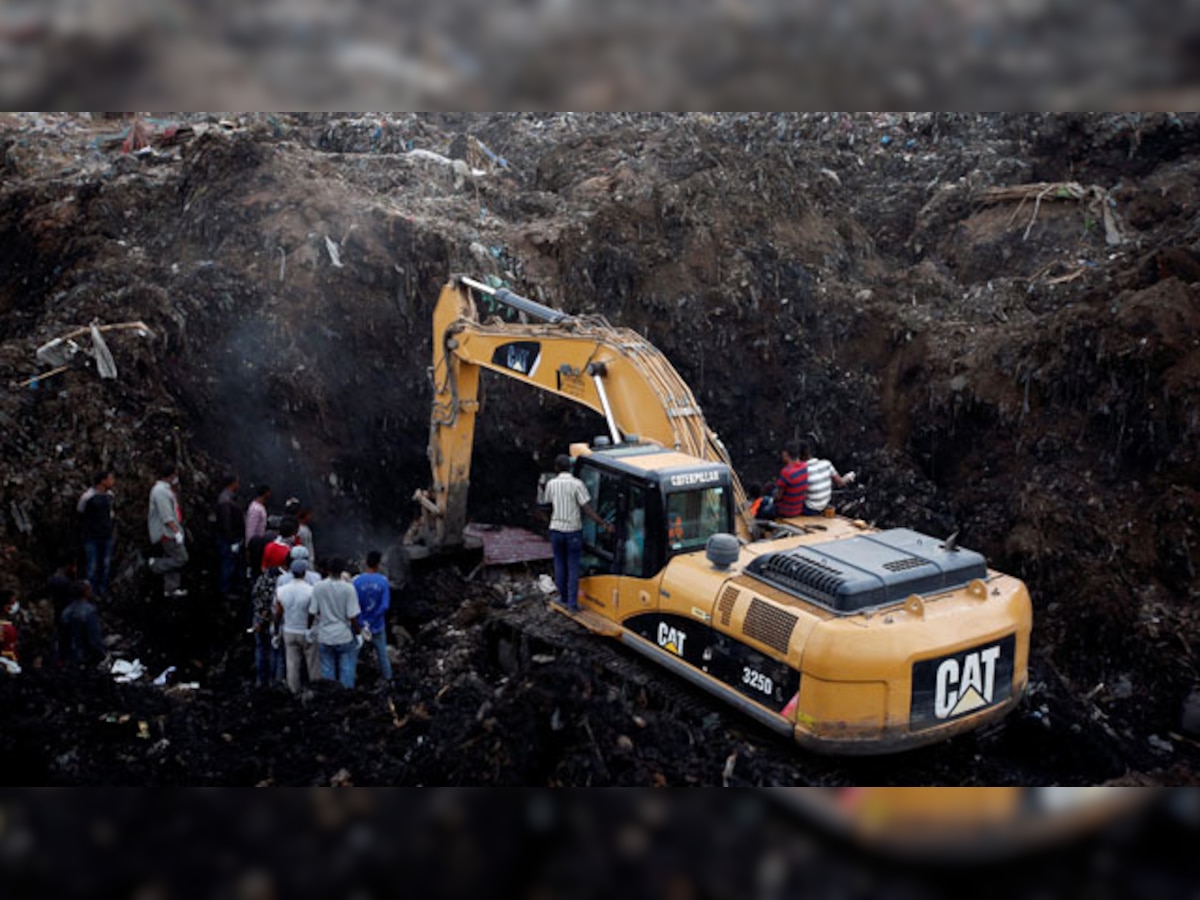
[616, 564]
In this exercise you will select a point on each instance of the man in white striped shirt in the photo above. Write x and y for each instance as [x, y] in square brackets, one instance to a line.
[569, 498]
[821, 478]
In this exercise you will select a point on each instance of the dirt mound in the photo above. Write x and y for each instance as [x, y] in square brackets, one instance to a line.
[989, 318]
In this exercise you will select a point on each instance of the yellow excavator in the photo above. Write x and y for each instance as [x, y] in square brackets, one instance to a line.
[849, 639]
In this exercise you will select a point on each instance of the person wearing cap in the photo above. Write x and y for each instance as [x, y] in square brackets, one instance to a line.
[291, 617]
[295, 553]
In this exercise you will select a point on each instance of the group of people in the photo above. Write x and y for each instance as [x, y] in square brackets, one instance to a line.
[300, 620]
[308, 617]
[804, 486]
[316, 623]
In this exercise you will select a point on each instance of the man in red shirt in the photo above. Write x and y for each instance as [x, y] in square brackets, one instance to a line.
[9, 641]
[275, 554]
[791, 489]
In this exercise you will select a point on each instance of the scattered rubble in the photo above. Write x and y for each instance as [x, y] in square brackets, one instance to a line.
[897, 286]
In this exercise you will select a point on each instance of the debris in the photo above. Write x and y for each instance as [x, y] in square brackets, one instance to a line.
[161, 680]
[1160, 745]
[57, 352]
[103, 356]
[60, 351]
[21, 517]
[35, 380]
[124, 671]
[334, 256]
[727, 772]
[1098, 199]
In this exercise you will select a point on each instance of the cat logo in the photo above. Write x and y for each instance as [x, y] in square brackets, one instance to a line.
[521, 357]
[671, 639]
[967, 685]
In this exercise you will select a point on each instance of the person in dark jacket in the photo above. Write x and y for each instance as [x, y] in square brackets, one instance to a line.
[83, 643]
[230, 533]
[97, 527]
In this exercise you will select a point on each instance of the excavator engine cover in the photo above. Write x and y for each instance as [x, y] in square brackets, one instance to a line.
[869, 571]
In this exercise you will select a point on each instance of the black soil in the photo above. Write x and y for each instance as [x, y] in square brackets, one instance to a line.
[1023, 368]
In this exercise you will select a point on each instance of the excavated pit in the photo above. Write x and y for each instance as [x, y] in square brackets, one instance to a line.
[991, 366]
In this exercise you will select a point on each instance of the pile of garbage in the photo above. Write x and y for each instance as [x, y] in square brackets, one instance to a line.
[985, 316]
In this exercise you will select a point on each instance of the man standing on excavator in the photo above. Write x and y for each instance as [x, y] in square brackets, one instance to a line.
[569, 498]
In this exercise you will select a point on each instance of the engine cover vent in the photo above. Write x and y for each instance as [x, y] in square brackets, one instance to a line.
[868, 571]
[725, 606]
[769, 625]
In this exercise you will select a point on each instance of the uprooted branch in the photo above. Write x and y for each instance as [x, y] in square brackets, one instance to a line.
[1096, 197]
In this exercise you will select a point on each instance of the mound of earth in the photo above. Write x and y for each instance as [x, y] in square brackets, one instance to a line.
[992, 319]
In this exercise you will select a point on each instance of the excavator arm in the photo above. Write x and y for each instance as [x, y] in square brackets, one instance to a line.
[613, 371]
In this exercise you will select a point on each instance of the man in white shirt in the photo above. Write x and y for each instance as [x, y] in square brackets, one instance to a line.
[292, 601]
[165, 522]
[570, 499]
[334, 605]
[822, 476]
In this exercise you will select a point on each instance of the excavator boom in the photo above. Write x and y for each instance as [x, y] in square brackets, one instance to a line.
[613, 371]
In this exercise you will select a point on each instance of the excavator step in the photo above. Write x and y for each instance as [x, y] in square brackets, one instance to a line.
[593, 622]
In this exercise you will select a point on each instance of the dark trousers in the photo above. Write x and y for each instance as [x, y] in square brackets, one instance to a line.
[97, 555]
[230, 567]
[568, 548]
[269, 661]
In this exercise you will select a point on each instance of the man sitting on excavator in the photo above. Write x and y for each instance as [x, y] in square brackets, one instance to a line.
[821, 478]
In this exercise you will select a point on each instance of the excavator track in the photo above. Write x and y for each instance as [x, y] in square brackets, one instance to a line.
[522, 638]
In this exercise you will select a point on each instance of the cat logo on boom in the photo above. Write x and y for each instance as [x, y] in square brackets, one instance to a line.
[671, 639]
[966, 685]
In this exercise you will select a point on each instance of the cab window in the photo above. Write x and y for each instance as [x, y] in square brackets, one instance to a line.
[694, 516]
[599, 545]
[633, 533]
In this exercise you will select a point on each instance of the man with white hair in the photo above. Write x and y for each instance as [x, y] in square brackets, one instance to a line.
[291, 618]
[298, 552]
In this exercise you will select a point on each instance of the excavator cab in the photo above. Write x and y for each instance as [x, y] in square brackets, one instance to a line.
[661, 503]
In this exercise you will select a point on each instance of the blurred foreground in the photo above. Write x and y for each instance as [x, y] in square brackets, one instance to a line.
[737, 844]
[735, 54]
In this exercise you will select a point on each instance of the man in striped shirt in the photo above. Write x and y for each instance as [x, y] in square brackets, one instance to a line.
[792, 486]
[821, 478]
[569, 498]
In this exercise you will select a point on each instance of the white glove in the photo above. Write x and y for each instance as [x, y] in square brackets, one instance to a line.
[276, 641]
[849, 478]
[360, 639]
[236, 548]
[310, 636]
[365, 633]
[179, 536]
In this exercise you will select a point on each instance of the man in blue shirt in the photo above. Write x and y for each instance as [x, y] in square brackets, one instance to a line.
[374, 597]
